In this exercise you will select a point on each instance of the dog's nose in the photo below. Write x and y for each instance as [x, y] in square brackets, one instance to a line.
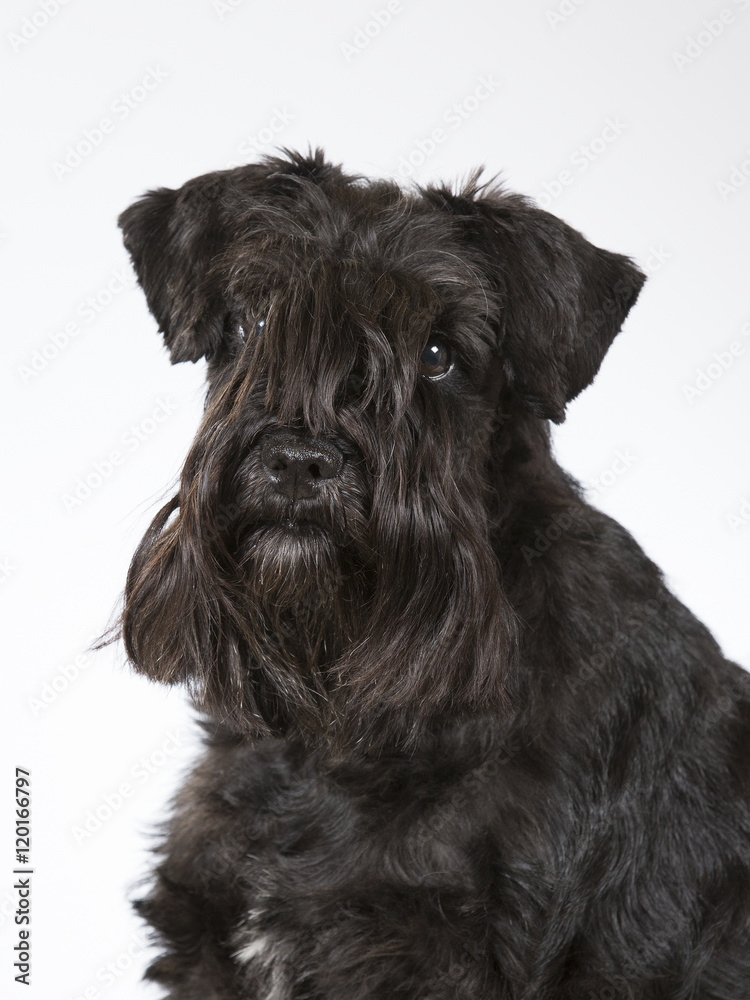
[297, 465]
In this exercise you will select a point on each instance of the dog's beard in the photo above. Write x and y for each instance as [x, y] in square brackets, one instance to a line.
[356, 622]
[304, 591]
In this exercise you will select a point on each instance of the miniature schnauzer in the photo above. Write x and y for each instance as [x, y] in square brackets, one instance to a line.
[461, 741]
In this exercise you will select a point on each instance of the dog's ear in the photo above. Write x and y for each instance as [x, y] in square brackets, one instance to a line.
[173, 237]
[176, 239]
[563, 299]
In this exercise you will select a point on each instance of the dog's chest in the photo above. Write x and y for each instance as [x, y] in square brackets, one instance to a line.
[383, 869]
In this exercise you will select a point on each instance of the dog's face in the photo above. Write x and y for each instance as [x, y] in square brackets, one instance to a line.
[329, 566]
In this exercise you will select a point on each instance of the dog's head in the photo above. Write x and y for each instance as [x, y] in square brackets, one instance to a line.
[328, 568]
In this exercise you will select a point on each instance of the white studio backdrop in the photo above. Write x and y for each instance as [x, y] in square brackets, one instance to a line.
[627, 118]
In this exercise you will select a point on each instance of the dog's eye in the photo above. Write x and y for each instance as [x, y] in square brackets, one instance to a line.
[436, 360]
[257, 329]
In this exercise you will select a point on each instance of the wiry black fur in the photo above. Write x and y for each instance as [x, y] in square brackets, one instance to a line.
[462, 742]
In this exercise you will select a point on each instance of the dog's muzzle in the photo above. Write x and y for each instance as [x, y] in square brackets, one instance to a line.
[298, 466]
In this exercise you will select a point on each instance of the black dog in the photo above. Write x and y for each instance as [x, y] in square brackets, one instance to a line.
[462, 742]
